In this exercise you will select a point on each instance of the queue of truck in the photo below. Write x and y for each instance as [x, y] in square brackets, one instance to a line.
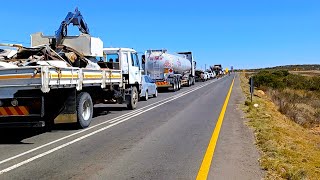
[60, 78]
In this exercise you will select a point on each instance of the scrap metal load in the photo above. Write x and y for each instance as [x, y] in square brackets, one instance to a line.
[42, 55]
[170, 70]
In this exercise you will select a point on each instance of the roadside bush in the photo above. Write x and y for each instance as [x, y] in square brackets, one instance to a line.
[269, 79]
[281, 79]
[315, 83]
[297, 96]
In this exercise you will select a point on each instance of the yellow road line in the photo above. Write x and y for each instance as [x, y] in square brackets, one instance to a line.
[206, 162]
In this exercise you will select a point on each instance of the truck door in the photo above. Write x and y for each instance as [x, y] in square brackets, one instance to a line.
[124, 63]
[135, 72]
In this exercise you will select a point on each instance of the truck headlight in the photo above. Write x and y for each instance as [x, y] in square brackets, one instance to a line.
[14, 102]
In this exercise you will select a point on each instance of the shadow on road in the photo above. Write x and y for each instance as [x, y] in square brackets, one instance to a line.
[102, 111]
[16, 135]
[11, 136]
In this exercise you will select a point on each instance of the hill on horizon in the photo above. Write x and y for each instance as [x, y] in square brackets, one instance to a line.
[297, 67]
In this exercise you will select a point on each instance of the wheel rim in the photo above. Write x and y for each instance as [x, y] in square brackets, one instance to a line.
[147, 96]
[86, 111]
[156, 94]
[134, 97]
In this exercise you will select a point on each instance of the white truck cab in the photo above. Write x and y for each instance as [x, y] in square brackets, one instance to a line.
[125, 59]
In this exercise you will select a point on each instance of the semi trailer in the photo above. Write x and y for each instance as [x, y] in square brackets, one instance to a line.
[168, 70]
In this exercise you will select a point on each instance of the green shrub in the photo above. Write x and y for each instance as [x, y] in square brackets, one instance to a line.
[273, 79]
[281, 79]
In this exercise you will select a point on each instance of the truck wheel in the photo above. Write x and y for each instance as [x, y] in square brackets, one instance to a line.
[193, 81]
[189, 82]
[84, 110]
[179, 85]
[175, 87]
[133, 100]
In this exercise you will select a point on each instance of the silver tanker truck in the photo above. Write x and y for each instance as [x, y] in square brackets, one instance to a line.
[168, 70]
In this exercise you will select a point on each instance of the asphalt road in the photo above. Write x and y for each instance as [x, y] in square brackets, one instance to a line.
[165, 138]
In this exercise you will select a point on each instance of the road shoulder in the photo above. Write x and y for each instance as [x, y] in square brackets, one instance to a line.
[236, 156]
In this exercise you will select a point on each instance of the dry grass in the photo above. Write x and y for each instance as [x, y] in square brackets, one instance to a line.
[288, 151]
[303, 73]
[301, 106]
[307, 73]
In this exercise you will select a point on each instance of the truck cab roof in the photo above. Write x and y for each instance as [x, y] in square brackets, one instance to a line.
[119, 49]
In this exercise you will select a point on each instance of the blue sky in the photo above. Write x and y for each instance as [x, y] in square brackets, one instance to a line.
[245, 34]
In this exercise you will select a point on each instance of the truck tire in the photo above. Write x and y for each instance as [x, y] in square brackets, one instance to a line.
[193, 81]
[179, 85]
[189, 82]
[84, 110]
[175, 86]
[133, 99]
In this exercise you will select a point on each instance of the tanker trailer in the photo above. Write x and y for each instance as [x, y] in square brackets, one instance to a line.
[170, 70]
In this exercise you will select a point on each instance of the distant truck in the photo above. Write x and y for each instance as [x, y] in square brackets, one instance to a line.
[170, 71]
[218, 70]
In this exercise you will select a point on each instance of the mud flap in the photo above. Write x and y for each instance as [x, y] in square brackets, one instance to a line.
[68, 114]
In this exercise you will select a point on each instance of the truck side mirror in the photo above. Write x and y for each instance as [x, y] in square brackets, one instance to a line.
[143, 60]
